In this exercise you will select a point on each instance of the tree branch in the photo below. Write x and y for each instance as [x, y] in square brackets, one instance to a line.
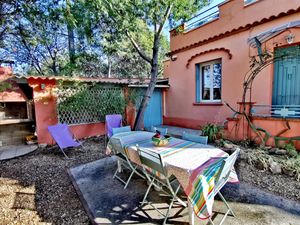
[138, 49]
[134, 43]
[166, 15]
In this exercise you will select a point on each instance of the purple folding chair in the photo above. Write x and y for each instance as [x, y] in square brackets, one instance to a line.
[63, 137]
[112, 121]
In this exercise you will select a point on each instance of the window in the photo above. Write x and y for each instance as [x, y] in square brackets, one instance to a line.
[208, 81]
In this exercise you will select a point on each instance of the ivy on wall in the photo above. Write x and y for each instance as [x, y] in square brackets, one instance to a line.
[5, 86]
[81, 103]
[135, 96]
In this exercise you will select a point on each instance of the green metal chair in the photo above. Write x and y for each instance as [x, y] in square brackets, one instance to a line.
[222, 179]
[152, 164]
[123, 159]
[195, 138]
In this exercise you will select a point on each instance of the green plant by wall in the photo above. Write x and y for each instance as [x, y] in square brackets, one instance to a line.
[4, 86]
[291, 150]
[136, 96]
[213, 131]
[293, 165]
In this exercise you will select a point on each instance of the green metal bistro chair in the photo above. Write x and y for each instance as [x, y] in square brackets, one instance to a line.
[222, 179]
[124, 160]
[152, 164]
[195, 138]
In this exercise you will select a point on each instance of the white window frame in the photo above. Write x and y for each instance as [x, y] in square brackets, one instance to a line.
[249, 2]
[211, 81]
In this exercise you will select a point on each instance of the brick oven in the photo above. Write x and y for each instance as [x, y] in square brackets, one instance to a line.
[16, 109]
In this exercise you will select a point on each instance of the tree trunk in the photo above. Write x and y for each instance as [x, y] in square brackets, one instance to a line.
[71, 42]
[109, 67]
[54, 65]
[154, 71]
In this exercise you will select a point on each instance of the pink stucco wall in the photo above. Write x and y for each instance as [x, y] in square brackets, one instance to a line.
[13, 93]
[233, 15]
[238, 129]
[180, 98]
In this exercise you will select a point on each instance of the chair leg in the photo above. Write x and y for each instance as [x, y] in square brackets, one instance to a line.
[175, 194]
[134, 169]
[227, 212]
[225, 202]
[171, 204]
[147, 192]
[129, 178]
[119, 178]
[210, 220]
[64, 153]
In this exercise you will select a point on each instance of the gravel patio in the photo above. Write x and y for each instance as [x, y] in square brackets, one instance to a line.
[36, 189]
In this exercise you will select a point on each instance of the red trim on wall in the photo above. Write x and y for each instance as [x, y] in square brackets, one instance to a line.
[208, 51]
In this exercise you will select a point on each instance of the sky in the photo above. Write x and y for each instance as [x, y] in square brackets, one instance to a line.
[211, 5]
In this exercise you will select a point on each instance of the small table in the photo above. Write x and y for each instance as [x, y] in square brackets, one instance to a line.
[188, 161]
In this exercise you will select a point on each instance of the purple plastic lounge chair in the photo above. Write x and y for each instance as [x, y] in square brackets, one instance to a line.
[112, 121]
[63, 137]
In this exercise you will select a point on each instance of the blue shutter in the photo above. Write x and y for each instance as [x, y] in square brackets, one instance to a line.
[286, 82]
[197, 83]
[153, 113]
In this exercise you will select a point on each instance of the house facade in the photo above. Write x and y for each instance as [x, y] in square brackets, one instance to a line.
[215, 53]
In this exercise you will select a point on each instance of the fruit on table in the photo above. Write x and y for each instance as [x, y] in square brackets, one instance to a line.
[159, 140]
[157, 135]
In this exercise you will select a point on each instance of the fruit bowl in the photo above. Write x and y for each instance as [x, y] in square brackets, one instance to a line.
[161, 141]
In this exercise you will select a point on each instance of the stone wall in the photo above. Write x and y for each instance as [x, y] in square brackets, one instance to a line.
[14, 134]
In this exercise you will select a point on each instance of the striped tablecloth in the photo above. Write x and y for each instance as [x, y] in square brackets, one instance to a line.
[194, 165]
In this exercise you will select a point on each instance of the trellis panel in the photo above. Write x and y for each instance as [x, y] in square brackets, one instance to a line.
[83, 104]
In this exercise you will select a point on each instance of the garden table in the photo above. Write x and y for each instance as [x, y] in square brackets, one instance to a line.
[194, 165]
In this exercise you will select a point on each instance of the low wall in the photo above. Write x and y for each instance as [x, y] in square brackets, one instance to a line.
[238, 129]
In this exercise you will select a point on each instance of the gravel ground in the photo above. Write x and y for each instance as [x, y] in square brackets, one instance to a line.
[36, 189]
[278, 184]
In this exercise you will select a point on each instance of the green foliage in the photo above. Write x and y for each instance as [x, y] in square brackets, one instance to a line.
[293, 165]
[259, 157]
[4, 86]
[212, 131]
[291, 150]
[126, 13]
[248, 143]
[83, 103]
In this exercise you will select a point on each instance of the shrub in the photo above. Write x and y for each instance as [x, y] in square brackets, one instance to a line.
[291, 150]
[211, 130]
[293, 165]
